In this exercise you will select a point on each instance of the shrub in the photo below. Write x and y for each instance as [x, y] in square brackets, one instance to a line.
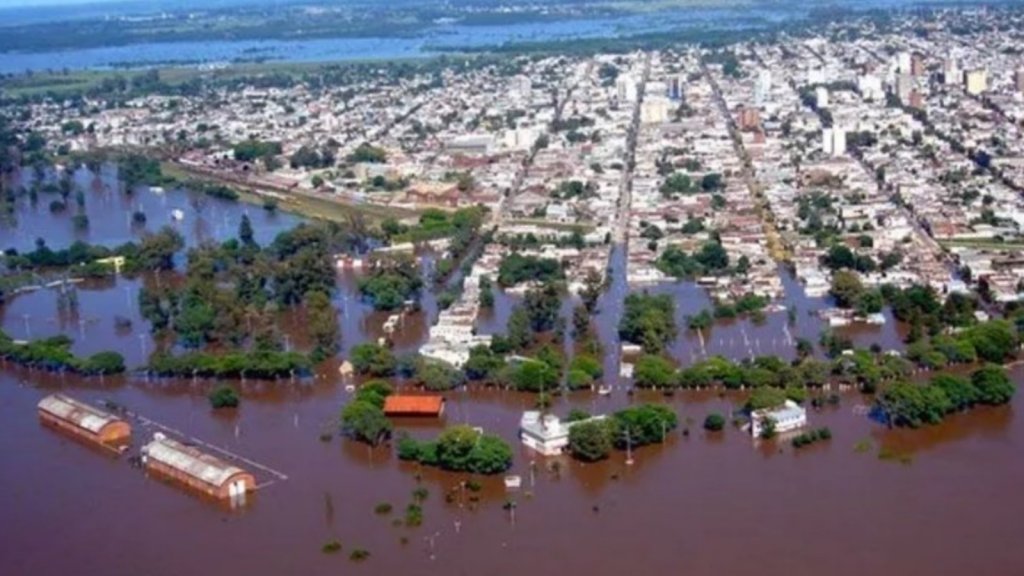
[223, 397]
[714, 422]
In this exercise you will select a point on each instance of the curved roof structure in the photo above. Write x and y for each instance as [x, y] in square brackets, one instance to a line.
[190, 460]
[77, 413]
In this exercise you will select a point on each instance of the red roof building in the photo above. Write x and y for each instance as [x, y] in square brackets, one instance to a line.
[409, 405]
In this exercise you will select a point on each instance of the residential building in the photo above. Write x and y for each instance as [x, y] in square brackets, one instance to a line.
[790, 416]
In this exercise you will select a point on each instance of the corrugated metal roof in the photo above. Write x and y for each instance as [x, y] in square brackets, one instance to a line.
[77, 413]
[190, 461]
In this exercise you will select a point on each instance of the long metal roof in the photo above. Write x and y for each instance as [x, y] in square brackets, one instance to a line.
[77, 413]
[190, 460]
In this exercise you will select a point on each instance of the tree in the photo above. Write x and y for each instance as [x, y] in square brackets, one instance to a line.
[438, 376]
[245, 233]
[962, 393]
[994, 341]
[993, 385]
[804, 347]
[651, 371]
[483, 363]
[593, 284]
[591, 441]
[518, 329]
[649, 321]
[223, 397]
[373, 359]
[846, 288]
[454, 447]
[542, 305]
[643, 424]
[322, 323]
[913, 405]
[534, 376]
[714, 422]
[365, 422]
[490, 455]
[765, 397]
[580, 322]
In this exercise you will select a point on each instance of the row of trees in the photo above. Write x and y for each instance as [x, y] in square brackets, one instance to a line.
[459, 449]
[54, 354]
[914, 405]
[592, 440]
[153, 252]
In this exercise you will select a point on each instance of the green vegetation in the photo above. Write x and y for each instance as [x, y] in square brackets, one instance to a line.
[591, 441]
[363, 418]
[391, 283]
[154, 252]
[714, 422]
[265, 364]
[914, 405]
[331, 547]
[358, 555]
[649, 321]
[223, 397]
[368, 154]
[54, 355]
[382, 509]
[373, 360]
[516, 268]
[808, 438]
[710, 259]
[459, 449]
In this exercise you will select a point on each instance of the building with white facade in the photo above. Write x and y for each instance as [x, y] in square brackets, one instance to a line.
[546, 433]
[789, 416]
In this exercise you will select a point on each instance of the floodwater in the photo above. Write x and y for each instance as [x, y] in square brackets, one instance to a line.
[433, 39]
[943, 500]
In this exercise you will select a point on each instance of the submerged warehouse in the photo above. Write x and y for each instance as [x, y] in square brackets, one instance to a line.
[83, 421]
[195, 469]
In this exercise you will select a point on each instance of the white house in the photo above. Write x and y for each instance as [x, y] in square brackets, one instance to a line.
[789, 416]
[546, 433]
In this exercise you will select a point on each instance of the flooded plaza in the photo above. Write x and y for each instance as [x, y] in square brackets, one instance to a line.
[942, 499]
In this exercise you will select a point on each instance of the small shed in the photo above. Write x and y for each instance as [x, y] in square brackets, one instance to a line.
[195, 469]
[414, 405]
[83, 421]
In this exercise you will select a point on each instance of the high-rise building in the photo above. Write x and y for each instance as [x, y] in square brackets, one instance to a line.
[833, 141]
[675, 87]
[870, 87]
[821, 97]
[916, 65]
[976, 81]
[762, 87]
[904, 63]
[904, 86]
[655, 110]
[951, 71]
[625, 88]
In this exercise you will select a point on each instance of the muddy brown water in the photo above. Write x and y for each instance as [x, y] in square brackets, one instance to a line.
[942, 500]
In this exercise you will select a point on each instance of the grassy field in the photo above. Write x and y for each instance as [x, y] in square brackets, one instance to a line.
[76, 81]
[303, 204]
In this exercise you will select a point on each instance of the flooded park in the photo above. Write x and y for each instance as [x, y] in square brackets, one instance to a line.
[941, 499]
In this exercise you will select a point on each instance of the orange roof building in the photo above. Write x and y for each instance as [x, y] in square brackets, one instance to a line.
[413, 405]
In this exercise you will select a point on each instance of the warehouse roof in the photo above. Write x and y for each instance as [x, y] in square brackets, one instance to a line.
[190, 460]
[77, 413]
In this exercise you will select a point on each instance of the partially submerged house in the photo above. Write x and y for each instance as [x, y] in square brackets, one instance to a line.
[195, 469]
[83, 421]
[787, 417]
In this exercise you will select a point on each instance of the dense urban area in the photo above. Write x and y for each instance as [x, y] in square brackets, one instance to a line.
[815, 238]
